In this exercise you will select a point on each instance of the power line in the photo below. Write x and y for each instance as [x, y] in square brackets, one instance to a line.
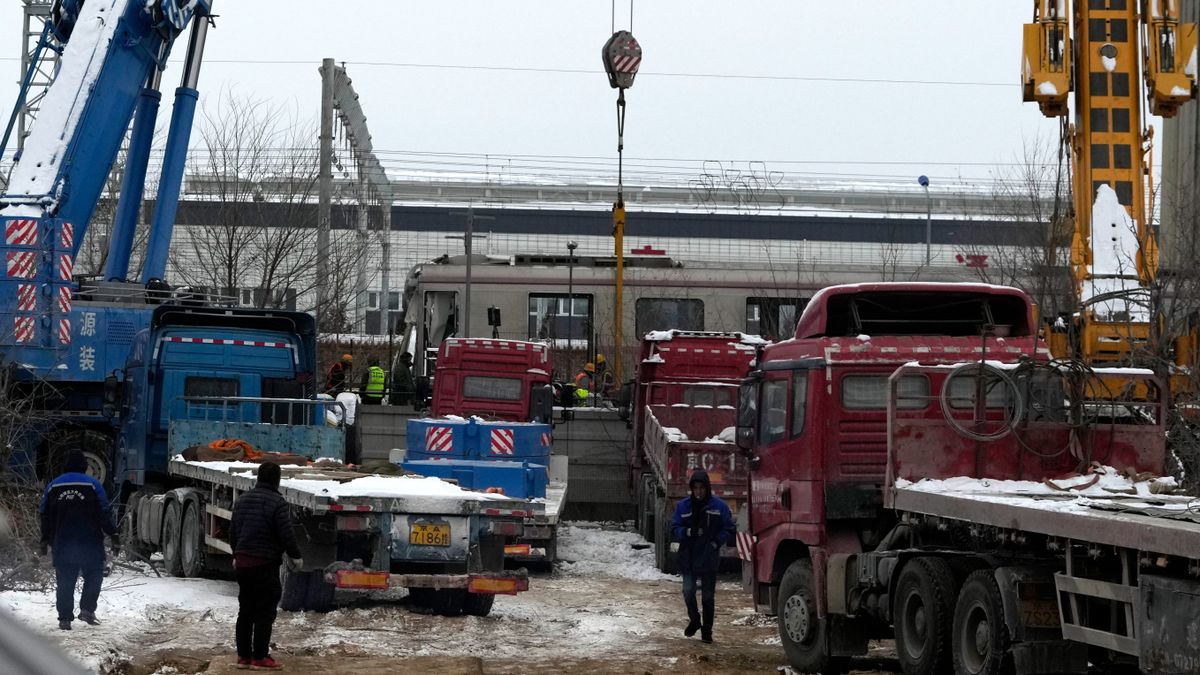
[593, 73]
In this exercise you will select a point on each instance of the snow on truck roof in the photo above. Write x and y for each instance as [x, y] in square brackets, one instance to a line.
[668, 335]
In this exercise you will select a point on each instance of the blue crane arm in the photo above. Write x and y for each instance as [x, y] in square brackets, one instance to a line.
[113, 47]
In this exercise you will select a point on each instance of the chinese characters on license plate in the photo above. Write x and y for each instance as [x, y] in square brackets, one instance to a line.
[428, 534]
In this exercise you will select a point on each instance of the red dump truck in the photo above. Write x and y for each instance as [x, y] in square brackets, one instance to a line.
[683, 418]
[921, 470]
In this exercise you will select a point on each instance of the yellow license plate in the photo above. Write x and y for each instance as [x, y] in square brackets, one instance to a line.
[425, 534]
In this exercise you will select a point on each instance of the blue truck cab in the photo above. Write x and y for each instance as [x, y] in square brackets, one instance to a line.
[197, 374]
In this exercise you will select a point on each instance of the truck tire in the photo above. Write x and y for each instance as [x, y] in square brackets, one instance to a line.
[95, 447]
[191, 540]
[803, 634]
[663, 558]
[923, 614]
[172, 525]
[980, 636]
[131, 543]
[639, 513]
[478, 604]
[448, 602]
[420, 597]
[294, 590]
[320, 593]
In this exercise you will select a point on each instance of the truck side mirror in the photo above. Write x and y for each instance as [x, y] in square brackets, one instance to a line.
[541, 404]
[745, 438]
[112, 395]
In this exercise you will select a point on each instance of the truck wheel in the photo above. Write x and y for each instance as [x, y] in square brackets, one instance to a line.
[980, 636]
[320, 592]
[648, 508]
[923, 613]
[802, 633]
[95, 447]
[172, 525]
[421, 597]
[191, 540]
[662, 537]
[478, 604]
[449, 602]
[131, 543]
[295, 590]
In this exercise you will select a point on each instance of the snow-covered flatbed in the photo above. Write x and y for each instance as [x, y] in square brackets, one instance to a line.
[334, 489]
[1161, 524]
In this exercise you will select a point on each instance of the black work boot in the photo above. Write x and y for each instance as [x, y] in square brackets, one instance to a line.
[64, 625]
[706, 635]
[691, 629]
[88, 618]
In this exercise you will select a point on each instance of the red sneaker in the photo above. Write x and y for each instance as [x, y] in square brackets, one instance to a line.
[242, 663]
[267, 663]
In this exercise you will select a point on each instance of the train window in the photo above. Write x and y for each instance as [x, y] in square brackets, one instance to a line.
[799, 401]
[773, 422]
[870, 392]
[773, 318]
[555, 316]
[494, 388]
[668, 313]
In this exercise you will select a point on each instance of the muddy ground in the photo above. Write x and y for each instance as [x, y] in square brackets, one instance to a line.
[608, 612]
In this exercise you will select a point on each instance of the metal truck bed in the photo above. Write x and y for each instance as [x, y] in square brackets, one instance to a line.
[322, 489]
[1161, 524]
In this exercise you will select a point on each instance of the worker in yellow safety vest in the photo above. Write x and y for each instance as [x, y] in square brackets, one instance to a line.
[583, 383]
[374, 384]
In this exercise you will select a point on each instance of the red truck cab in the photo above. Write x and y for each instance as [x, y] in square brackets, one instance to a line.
[494, 379]
[813, 419]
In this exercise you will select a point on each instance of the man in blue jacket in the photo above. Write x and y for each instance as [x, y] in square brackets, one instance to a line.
[75, 519]
[702, 524]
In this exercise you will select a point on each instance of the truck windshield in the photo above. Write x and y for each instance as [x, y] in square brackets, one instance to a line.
[711, 396]
[494, 388]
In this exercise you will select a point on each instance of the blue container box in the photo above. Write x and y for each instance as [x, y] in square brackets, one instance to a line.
[518, 479]
[478, 440]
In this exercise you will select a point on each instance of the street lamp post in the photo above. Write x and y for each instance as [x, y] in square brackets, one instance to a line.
[571, 246]
[924, 181]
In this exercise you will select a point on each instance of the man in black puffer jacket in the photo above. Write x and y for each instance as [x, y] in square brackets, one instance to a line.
[702, 524]
[261, 532]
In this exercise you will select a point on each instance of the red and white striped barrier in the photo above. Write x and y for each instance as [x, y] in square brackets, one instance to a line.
[21, 232]
[26, 297]
[502, 442]
[66, 236]
[745, 546]
[23, 329]
[64, 331]
[20, 264]
[439, 439]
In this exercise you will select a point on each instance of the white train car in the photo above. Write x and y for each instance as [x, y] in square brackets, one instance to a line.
[570, 301]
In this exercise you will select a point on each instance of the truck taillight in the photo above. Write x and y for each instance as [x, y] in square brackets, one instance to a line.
[497, 585]
[367, 580]
[354, 523]
[508, 528]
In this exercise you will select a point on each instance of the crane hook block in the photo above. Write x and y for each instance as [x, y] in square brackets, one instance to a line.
[622, 55]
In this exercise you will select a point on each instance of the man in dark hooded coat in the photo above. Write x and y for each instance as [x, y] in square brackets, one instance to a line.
[702, 524]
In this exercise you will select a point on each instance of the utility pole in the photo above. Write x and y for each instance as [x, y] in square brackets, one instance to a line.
[372, 185]
[467, 237]
[324, 189]
[924, 181]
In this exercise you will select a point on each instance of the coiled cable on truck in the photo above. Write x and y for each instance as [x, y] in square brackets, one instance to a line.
[1014, 407]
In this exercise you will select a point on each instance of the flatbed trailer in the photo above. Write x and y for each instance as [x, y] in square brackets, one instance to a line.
[539, 541]
[357, 532]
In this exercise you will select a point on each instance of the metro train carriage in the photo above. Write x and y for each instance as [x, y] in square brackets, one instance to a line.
[533, 293]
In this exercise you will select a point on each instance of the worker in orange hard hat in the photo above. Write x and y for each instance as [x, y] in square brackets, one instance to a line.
[584, 381]
[339, 372]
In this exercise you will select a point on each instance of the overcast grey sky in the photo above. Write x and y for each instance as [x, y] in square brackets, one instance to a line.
[939, 129]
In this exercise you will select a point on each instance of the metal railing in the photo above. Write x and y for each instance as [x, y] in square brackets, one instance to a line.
[307, 411]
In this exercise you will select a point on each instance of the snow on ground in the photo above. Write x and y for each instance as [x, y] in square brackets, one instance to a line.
[589, 549]
[608, 604]
[130, 602]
